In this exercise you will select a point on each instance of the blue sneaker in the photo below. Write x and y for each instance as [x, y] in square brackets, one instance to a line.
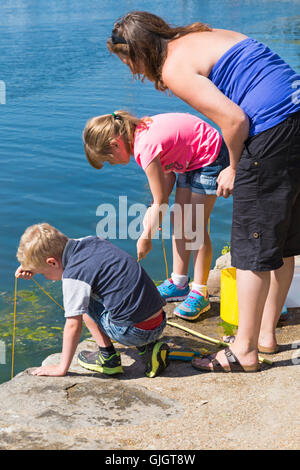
[284, 311]
[193, 306]
[284, 314]
[172, 293]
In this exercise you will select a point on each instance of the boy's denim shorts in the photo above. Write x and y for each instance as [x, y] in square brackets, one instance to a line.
[266, 199]
[204, 180]
[126, 335]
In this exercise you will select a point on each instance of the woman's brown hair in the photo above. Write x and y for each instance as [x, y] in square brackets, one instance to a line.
[142, 38]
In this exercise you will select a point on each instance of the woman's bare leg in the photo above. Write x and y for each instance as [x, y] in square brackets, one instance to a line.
[280, 283]
[252, 290]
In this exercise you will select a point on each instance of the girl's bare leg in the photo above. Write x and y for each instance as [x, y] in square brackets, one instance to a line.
[181, 256]
[203, 256]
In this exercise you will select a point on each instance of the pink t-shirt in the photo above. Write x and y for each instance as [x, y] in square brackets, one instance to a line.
[183, 141]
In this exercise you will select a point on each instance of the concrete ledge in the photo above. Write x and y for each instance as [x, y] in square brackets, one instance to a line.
[182, 409]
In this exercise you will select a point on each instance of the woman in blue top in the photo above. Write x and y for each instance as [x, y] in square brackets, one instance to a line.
[254, 98]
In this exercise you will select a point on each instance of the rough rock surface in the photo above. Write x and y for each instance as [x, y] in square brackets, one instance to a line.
[181, 409]
[214, 279]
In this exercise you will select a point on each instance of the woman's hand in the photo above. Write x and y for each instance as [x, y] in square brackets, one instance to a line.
[225, 182]
[23, 274]
[144, 246]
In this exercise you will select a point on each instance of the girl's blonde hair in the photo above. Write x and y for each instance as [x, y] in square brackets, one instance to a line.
[39, 242]
[100, 131]
[142, 38]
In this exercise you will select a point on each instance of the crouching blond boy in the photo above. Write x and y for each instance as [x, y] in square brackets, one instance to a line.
[106, 287]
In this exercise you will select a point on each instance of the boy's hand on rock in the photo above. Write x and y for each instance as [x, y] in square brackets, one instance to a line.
[52, 371]
[23, 274]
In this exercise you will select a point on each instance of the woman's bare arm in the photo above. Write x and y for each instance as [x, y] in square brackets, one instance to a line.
[200, 93]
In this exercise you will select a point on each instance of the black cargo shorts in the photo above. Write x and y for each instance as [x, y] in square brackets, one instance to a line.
[266, 199]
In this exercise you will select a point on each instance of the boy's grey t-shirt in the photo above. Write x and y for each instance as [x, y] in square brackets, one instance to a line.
[95, 267]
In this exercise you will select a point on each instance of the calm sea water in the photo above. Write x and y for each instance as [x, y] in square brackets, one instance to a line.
[58, 73]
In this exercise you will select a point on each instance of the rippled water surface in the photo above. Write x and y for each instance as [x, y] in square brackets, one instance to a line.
[58, 73]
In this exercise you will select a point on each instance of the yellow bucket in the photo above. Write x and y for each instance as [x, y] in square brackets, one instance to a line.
[229, 311]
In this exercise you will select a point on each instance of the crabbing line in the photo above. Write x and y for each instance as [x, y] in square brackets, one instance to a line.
[47, 294]
[14, 328]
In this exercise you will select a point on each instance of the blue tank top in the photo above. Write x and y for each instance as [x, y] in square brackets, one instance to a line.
[260, 82]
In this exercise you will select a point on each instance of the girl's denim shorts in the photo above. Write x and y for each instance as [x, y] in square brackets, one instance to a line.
[204, 180]
[126, 335]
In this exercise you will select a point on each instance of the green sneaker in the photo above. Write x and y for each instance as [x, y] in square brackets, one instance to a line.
[157, 358]
[97, 362]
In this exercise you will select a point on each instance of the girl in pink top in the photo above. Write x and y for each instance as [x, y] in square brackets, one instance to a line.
[165, 145]
[182, 141]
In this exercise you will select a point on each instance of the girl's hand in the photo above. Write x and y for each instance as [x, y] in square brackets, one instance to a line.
[21, 273]
[226, 182]
[53, 371]
[144, 246]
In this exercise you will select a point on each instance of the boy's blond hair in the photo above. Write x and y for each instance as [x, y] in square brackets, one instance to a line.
[100, 131]
[39, 242]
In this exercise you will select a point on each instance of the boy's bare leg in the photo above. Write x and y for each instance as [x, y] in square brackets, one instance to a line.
[101, 338]
[280, 283]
